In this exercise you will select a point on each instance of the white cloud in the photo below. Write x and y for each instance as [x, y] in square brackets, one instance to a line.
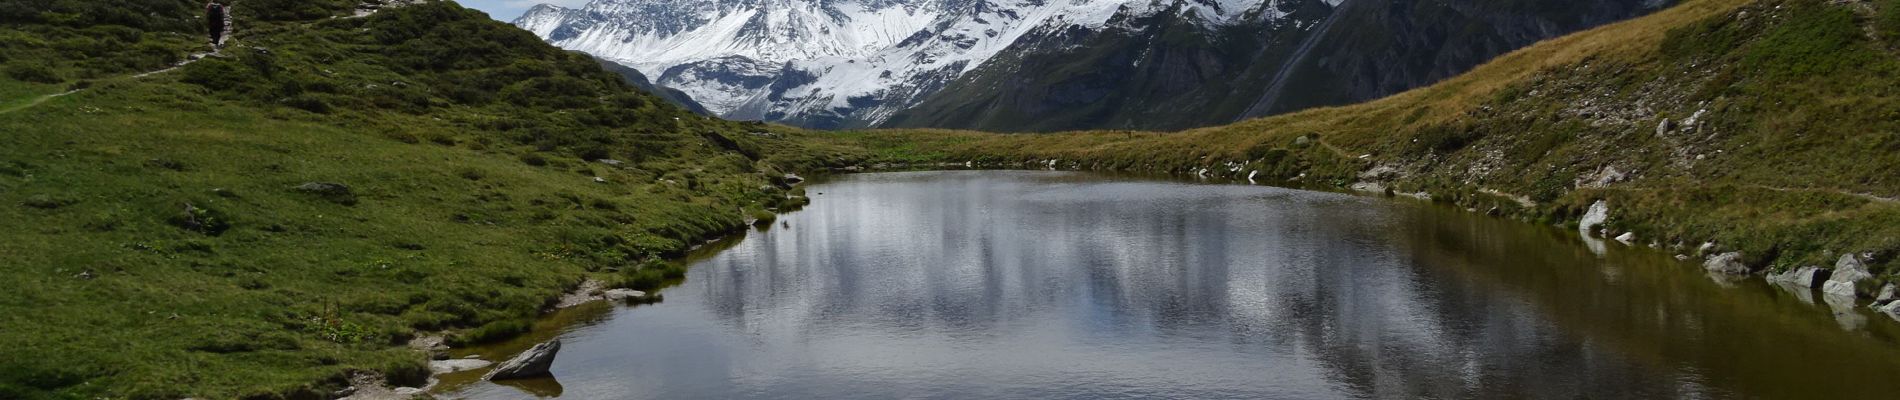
[507, 10]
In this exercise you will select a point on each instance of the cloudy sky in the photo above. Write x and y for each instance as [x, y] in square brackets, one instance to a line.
[507, 10]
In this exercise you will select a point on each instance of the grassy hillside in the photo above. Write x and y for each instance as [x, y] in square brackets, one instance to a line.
[1781, 141]
[272, 218]
[265, 221]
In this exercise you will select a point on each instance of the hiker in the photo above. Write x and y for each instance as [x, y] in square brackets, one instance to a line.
[218, 19]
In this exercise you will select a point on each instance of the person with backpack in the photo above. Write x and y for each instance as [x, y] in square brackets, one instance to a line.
[218, 19]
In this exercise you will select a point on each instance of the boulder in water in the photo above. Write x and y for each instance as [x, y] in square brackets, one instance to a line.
[1849, 272]
[1809, 277]
[1726, 263]
[530, 364]
[1598, 214]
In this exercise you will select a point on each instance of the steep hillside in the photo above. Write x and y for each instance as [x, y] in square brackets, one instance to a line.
[267, 220]
[1764, 128]
[1144, 73]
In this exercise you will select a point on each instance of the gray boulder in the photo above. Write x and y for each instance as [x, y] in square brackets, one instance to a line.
[333, 192]
[1598, 214]
[530, 364]
[1887, 293]
[1805, 277]
[1726, 263]
[1892, 309]
[457, 365]
[623, 294]
[1848, 275]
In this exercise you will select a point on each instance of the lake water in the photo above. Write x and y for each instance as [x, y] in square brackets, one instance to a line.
[1041, 285]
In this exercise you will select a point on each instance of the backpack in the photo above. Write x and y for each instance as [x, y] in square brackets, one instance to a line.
[217, 11]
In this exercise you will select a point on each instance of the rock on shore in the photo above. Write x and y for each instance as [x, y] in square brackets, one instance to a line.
[530, 364]
[1726, 263]
[1805, 277]
[1847, 277]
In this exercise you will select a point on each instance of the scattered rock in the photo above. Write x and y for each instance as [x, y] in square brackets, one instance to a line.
[1849, 272]
[1664, 127]
[1598, 214]
[1888, 293]
[793, 179]
[609, 161]
[428, 343]
[1809, 277]
[530, 364]
[1726, 263]
[1892, 309]
[623, 294]
[332, 192]
[45, 202]
[1627, 238]
[457, 365]
[589, 291]
[600, 180]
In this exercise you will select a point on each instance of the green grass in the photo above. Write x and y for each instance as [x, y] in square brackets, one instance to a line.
[160, 246]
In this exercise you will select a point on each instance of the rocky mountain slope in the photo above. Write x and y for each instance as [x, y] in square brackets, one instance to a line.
[1148, 73]
[1018, 65]
[1748, 137]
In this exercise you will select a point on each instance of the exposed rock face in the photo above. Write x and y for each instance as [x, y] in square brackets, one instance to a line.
[530, 364]
[1726, 263]
[1849, 272]
[1041, 65]
[1804, 277]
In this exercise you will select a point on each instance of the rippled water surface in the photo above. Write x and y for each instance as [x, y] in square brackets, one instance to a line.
[1064, 285]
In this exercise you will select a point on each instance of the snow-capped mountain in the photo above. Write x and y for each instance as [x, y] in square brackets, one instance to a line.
[1042, 65]
[836, 63]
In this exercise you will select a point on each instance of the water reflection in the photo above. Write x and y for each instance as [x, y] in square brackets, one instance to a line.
[1058, 285]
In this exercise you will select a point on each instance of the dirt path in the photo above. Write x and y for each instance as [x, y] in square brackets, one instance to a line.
[36, 101]
[43, 99]
[1869, 197]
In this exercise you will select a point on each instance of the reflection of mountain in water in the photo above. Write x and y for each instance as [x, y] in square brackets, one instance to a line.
[1040, 285]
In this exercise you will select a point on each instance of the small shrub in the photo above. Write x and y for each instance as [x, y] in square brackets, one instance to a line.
[309, 103]
[1887, 22]
[493, 332]
[45, 202]
[202, 220]
[33, 72]
[534, 160]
